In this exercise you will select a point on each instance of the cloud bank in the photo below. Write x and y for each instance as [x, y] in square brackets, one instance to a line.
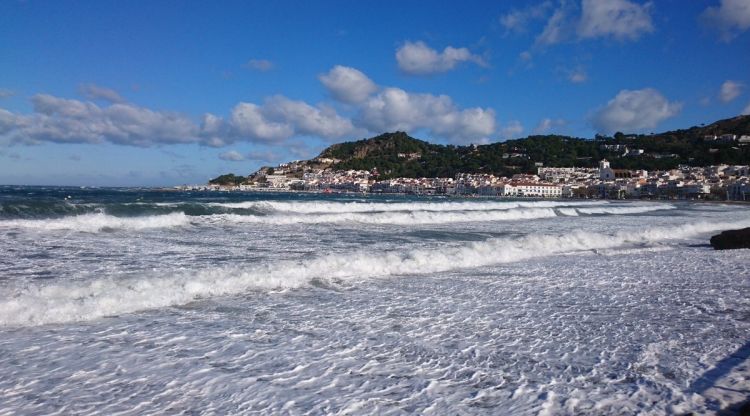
[367, 108]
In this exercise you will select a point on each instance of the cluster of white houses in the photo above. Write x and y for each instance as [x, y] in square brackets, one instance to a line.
[715, 182]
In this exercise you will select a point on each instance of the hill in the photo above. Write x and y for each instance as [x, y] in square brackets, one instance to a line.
[400, 155]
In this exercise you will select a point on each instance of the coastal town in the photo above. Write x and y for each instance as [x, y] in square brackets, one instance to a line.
[722, 182]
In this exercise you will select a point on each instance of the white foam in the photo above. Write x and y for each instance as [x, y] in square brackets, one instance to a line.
[100, 222]
[394, 218]
[313, 207]
[637, 209]
[36, 304]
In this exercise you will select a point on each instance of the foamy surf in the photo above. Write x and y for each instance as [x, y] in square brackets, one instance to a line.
[37, 304]
[99, 222]
[322, 207]
[392, 218]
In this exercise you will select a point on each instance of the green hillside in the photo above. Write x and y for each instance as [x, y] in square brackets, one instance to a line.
[394, 154]
[399, 155]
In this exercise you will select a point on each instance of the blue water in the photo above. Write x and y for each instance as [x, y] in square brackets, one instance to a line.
[143, 301]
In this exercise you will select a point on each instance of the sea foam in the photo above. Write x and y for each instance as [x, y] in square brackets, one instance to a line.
[319, 207]
[39, 303]
[93, 223]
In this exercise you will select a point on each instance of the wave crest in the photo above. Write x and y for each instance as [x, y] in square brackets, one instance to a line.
[38, 304]
[93, 223]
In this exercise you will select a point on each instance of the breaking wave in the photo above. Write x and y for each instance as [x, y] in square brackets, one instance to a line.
[320, 207]
[637, 209]
[329, 213]
[394, 218]
[99, 222]
[37, 304]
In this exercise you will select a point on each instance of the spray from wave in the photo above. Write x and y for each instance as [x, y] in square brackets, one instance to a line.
[56, 303]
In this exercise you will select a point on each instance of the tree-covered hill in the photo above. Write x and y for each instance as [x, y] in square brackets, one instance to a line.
[399, 155]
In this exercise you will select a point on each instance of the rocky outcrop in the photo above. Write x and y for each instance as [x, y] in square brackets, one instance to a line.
[731, 239]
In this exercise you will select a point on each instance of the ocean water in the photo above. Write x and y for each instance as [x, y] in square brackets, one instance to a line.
[131, 301]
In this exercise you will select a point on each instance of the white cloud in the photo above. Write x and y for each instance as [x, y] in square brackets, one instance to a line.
[232, 156]
[578, 76]
[396, 109]
[305, 119]
[71, 121]
[512, 130]
[95, 92]
[417, 58]
[262, 65]
[731, 18]
[347, 84]
[277, 121]
[547, 125]
[730, 90]
[248, 120]
[621, 19]
[6, 93]
[746, 111]
[517, 20]
[556, 30]
[634, 110]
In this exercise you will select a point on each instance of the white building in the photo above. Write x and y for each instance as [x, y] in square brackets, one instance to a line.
[605, 172]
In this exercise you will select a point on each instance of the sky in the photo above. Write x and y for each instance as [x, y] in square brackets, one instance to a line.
[161, 93]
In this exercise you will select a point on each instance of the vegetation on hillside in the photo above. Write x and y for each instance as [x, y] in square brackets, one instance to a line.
[393, 154]
[399, 155]
[228, 179]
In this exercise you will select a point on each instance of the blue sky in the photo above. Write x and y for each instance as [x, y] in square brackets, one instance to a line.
[163, 93]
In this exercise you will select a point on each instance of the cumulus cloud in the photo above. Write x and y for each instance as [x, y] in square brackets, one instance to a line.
[62, 120]
[249, 120]
[729, 19]
[396, 109]
[5, 93]
[746, 111]
[95, 92]
[547, 125]
[730, 90]
[620, 19]
[232, 156]
[347, 84]
[416, 58]
[304, 119]
[276, 121]
[262, 65]
[517, 20]
[634, 110]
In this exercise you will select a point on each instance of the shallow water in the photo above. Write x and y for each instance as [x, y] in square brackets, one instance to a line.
[136, 301]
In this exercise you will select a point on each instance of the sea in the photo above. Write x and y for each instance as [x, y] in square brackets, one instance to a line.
[140, 301]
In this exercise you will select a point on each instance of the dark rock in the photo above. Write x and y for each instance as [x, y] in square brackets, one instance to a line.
[731, 239]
